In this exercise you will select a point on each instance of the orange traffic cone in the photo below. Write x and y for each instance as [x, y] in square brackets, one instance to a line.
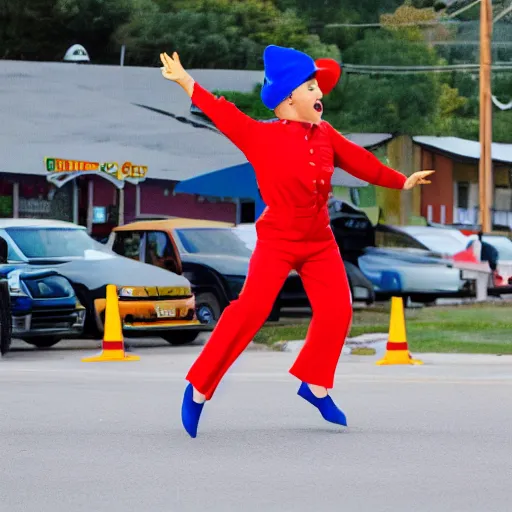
[397, 350]
[113, 343]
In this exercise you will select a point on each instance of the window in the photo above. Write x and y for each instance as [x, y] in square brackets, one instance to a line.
[158, 245]
[53, 242]
[442, 243]
[160, 251]
[213, 241]
[129, 244]
[388, 239]
[503, 199]
[463, 194]
[502, 244]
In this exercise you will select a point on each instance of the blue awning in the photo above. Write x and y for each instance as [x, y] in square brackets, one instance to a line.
[237, 181]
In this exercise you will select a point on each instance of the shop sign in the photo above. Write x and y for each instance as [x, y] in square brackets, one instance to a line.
[127, 171]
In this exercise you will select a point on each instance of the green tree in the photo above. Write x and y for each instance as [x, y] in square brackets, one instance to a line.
[217, 34]
[31, 30]
[92, 23]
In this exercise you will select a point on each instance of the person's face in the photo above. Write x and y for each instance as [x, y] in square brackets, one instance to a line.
[306, 101]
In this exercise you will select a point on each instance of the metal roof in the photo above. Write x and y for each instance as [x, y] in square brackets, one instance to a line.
[465, 148]
[368, 140]
[86, 112]
[93, 113]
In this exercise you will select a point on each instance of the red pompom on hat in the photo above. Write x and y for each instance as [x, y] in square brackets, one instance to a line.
[328, 74]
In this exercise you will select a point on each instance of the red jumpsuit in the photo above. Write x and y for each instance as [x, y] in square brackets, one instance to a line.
[294, 163]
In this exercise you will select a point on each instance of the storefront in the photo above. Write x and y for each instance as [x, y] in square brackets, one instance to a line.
[96, 191]
[101, 196]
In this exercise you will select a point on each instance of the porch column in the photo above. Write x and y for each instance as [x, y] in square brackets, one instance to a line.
[120, 220]
[238, 207]
[15, 200]
[90, 204]
[137, 201]
[75, 201]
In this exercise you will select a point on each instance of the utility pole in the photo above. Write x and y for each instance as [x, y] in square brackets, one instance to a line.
[485, 163]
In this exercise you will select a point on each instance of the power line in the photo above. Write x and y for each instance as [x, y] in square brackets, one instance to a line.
[503, 13]
[408, 24]
[463, 9]
[407, 70]
[500, 44]
[423, 23]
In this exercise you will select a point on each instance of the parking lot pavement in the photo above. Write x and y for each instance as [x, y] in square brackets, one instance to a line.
[107, 436]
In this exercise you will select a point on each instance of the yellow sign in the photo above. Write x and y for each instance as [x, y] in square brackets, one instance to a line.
[127, 170]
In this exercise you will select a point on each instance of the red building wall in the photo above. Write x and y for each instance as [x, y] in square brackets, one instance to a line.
[440, 191]
[154, 201]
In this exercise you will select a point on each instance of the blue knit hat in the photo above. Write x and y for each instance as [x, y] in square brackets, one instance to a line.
[287, 68]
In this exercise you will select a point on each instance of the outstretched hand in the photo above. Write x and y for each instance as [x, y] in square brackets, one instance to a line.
[418, 178]
[173, 70]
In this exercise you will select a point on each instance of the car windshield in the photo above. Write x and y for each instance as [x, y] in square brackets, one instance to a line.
[248, 237]
[502, 244]
[212, 241]
[444, 244]
[53, 242]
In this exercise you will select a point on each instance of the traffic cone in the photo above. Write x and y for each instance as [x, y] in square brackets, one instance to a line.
[397, 350]
[113, 343]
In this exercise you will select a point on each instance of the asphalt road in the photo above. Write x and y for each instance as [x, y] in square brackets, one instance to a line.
[107, 436]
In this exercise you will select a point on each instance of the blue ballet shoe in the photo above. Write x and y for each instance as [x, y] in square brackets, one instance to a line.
[190, 411]
[325, 405]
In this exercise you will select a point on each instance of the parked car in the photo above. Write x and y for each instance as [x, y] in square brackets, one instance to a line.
[208, 253]
[151, 300]
[424, 279]
[451, 243]
[395, 269]
[44, 307]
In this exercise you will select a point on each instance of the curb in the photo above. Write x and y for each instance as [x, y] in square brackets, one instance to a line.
[359, 345]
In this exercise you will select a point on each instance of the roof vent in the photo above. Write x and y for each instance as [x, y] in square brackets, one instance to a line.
[76, 53]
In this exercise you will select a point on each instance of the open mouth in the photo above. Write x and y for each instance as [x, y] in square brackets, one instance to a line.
[318, 106]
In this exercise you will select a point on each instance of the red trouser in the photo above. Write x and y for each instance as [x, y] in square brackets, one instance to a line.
[321, 269]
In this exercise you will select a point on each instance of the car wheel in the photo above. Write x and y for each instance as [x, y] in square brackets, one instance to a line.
[180, 337]
[5, 318]
[207, 308]
[42, 341]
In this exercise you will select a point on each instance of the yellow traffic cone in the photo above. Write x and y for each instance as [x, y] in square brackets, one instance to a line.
[397, 349]
[113, 343]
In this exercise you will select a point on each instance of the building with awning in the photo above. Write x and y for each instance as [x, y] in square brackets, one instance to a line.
[103, 145]
[453, 197]
[95, 123]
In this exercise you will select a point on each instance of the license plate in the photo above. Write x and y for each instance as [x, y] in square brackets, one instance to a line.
[165, 313]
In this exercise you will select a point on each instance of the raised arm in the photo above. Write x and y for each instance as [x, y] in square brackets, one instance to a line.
[232, 122]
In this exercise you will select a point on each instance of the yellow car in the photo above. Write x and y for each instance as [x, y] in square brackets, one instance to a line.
[154, 309]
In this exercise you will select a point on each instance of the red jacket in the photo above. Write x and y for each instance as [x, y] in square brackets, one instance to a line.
[294, 163]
